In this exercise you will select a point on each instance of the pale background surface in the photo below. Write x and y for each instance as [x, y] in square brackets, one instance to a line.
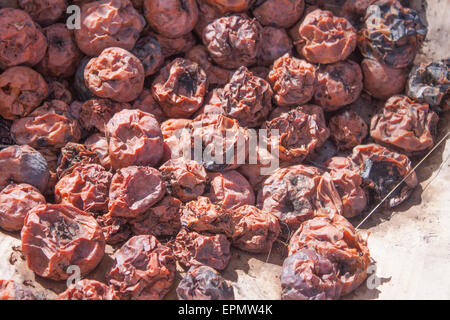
[410, 245]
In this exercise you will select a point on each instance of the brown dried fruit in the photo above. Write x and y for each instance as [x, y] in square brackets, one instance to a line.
[326, 38]
[62, 56]
[87, 289]
[246, 98]
[348, 129]
[55, 237]
[430, 83]
[349, 184]
[254, 230]
[233, 41]
[338, 85]
[391, 33]
[332, 238]
[134, 138]
[162, 220]
[59, 90]
[226, 6]
[44, 12]
[95, 113]
[108, 23]
[207, 13]
[17, 200]
[177, 46]
[301, 131]
[23, 164]
[21, 40]
[405, 124]
[381, 80]
[134, 190]
[73, 155]
[275, 43]
[115, 74]
[204, 283]
[82, 91]
[86, 188]
[292, 81]
[98, 144]
[50, 126]
[194, 249]
[144, 269]
[278, 13]
[185, 179]
[115, 230]
[296, 194]
[145, 102]
[11, 290]
[5, 133]
[202, 215]
[21, 91]
[180, 88]
[171, 18]
[230, 190]
[149, 51]
[381, 170]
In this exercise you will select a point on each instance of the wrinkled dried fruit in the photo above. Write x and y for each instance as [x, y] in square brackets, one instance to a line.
[230, 190]
[405, 125]
[44, 12]
[17, 200]
[180, 88]
[381, 80]
[292, 81]
[145, 102]
[59, 90]
[134, 138]
[278, 13]
[177, 46]
[233, 41]
[381, 170]
[349, 185]
[62, 56]
[226, 6]
[391, 33]
[295, 194]
[5, 133]
[21, 40]
[55, 237]
[348, 129]
[144, 269]
[98, 144]
[89, 290]
[275, 43]
[254, 230]
[334, 240]
[86, 188]
[134, 190]
[108, 23]
[21, 91]
[204, 283]
[171, 18]
[246, 98]
[301, 131]
[115, 230]
[430, 83]
[95, 113]
[326, 38]
[82, 91]
[162, 220]
[52, 125]
[185, 179]
[338, 84]
[194, 249]
[73, 155]
[11, 290]
[23, 164]
[149, 51]
[115, 74]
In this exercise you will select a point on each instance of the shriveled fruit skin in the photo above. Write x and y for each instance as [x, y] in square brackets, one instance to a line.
[95, 113]
[226, 6]
[149, 51]
[44, 12]
[116, 230]
[348, 129]
[73, 155]
[278, 13]
[204, 283]
[55, 237]
[89, 290]
[144, 269]
[275, 42]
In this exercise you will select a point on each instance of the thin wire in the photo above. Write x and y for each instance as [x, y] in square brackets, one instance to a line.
[403, 180]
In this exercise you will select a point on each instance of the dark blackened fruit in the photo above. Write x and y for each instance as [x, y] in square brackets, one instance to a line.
[325, 38]
[149, 51]
[204, 283]
[405, 125]
[55, 237]
[233, 41]
[151, 264]
[391, 33]
[180, 88]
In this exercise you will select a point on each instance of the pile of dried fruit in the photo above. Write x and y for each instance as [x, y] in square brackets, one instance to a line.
[91, 153]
